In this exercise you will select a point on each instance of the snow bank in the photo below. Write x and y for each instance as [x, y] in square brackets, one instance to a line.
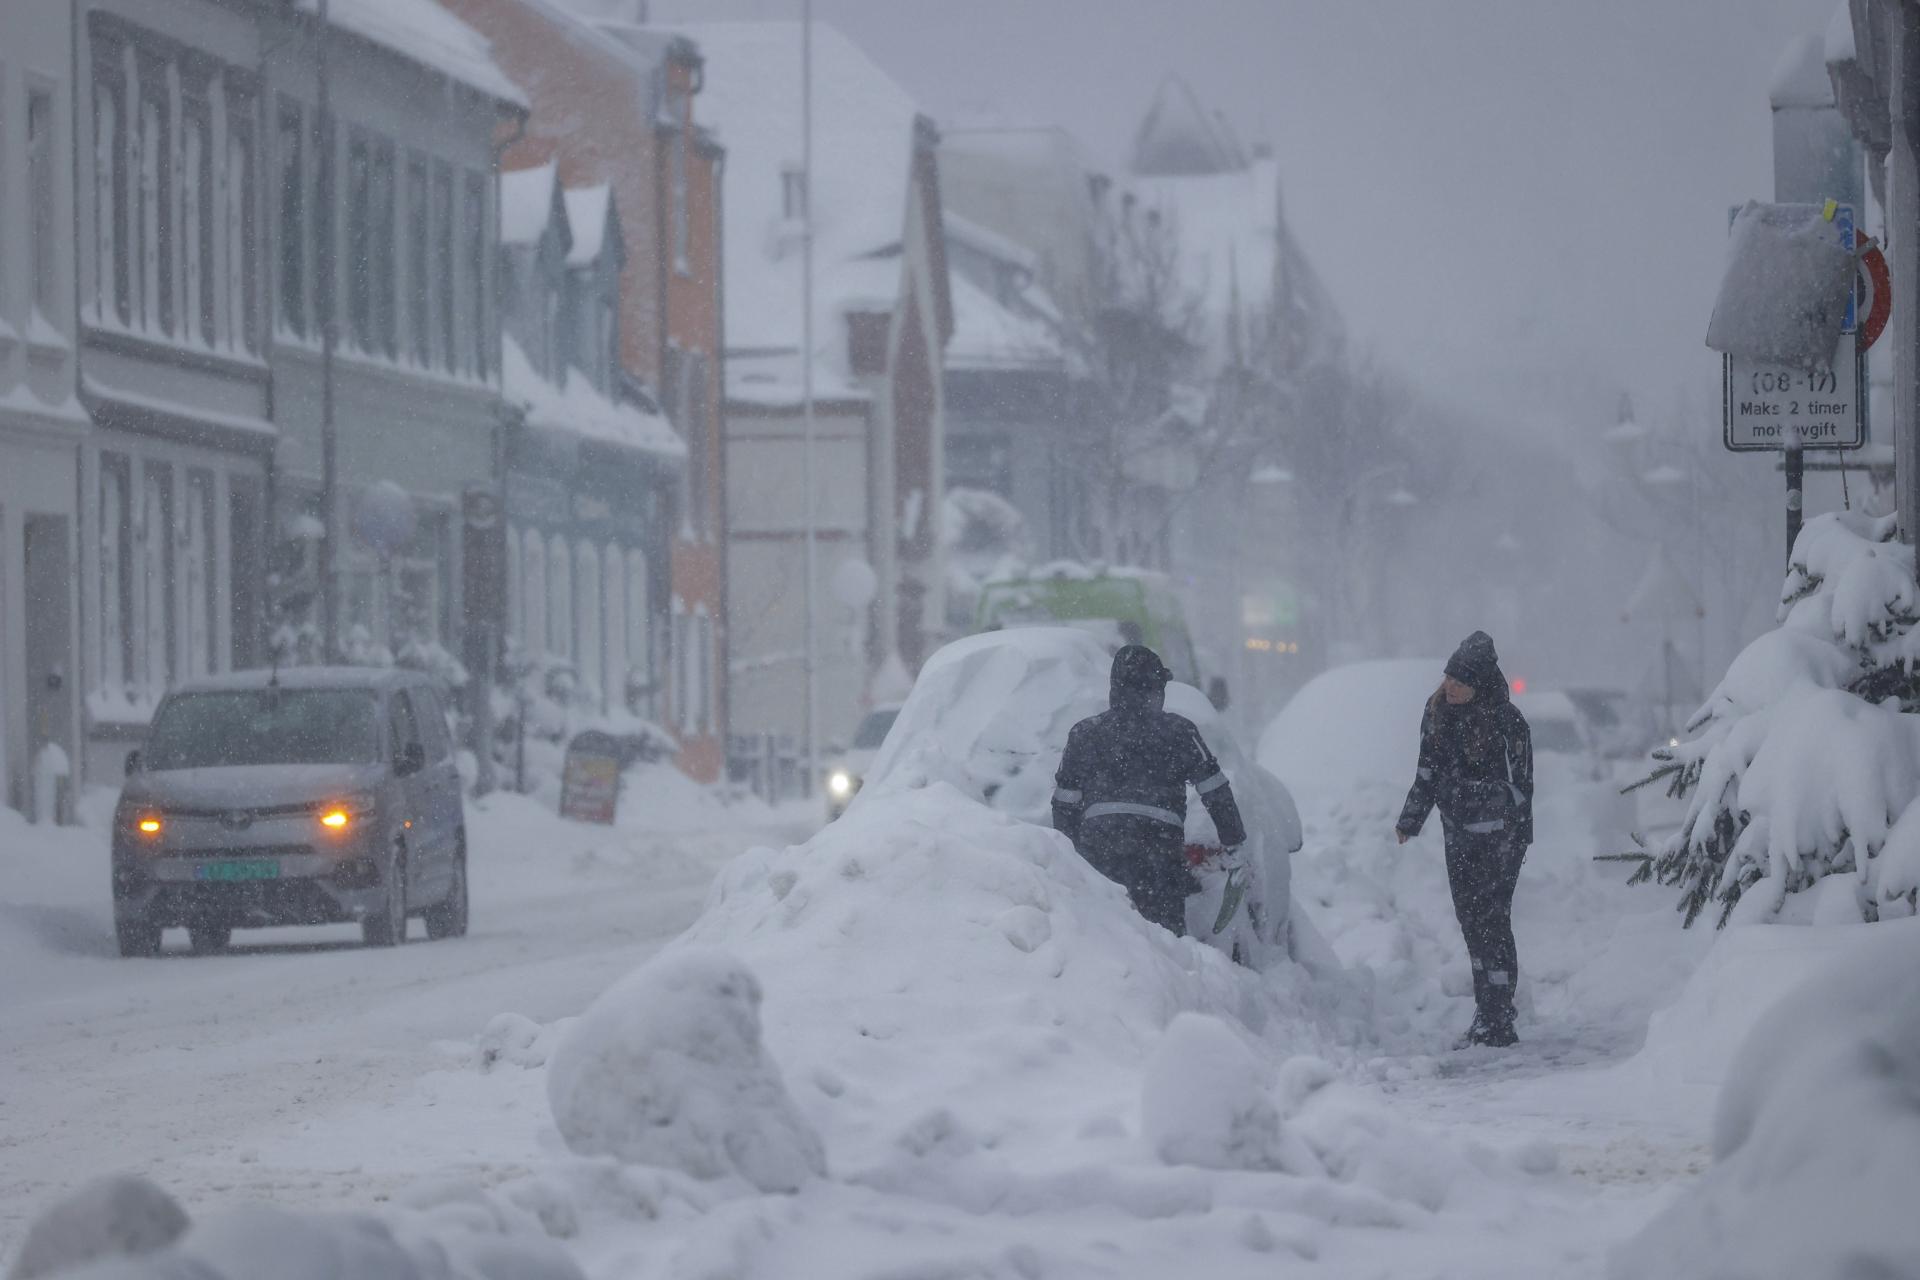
[667, 1069]
[989, 716]
[125, 1228]
[1816, 1138]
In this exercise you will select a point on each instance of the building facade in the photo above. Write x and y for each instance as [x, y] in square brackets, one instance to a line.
[592, 470]
[42, 423]
[881, 319]
[616, 105]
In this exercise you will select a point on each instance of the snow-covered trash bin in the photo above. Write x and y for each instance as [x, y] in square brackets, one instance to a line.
[1783, 295]
[1816, 1136]
[667, 1068]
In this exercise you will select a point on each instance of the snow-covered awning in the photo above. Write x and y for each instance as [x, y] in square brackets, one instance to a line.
[578, 408]
[424, 32]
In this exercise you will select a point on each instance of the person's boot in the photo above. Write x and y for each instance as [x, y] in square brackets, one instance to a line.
[1475, 1034]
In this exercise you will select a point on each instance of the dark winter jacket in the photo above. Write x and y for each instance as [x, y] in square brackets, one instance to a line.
[1137, 760]
[1476, 759]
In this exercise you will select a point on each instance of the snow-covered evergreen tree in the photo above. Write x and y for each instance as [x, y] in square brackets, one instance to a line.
[1804, 763]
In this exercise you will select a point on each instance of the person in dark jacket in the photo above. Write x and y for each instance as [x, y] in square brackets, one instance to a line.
[1121, 792]
[1476, 767]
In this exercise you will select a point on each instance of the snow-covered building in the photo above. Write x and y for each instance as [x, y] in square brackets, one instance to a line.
[592, 464]
[614, 109]
[882, 317]
[417, 104]
[1016, 391]
[41, 419]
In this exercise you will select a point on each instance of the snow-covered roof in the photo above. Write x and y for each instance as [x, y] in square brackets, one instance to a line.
[579, 408]
[526, 203]
[1179, 136]
[987, 335]
[1800, 79]
[989, 242]
[863, 124]
[1237, 251]
[426, 33]
[587, 209]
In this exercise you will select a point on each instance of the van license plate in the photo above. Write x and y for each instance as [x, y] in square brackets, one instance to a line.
[255, 869]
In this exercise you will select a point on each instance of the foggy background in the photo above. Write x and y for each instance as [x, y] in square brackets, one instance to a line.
[1519, 207]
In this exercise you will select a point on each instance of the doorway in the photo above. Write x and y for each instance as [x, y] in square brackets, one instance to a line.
[48, 618]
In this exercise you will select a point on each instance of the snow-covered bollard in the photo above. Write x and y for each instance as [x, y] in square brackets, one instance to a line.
[667, 1068]
[114, 1217]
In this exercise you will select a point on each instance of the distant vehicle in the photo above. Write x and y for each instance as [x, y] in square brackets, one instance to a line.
[1560, 730]
[318, 795]
[1610, 719]
[1131, 607]
[847, 771]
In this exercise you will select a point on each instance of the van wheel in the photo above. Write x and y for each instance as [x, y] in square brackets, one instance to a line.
[387, 927]
[210, 938]
[448, 917]
[137, 938]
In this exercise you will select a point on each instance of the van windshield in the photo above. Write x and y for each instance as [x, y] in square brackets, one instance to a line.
[264, 726]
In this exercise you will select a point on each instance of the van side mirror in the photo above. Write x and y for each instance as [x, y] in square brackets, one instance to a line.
[134, 763]
[1217, 692]
[413, 758]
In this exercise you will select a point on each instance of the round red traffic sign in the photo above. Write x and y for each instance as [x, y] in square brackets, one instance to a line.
[1880, 282]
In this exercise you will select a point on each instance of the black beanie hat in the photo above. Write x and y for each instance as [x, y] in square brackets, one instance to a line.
[1138, 669]
[1475, 664]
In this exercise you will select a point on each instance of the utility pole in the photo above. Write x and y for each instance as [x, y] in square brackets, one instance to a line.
[1814, 160]
[806, 391]
[324, 267]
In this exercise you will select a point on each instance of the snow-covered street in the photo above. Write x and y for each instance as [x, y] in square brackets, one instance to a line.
[300, 1067]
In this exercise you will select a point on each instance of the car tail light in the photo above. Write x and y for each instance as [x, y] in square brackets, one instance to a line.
[336, 819]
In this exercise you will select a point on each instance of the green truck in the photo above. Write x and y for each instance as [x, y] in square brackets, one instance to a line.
[1117, 608]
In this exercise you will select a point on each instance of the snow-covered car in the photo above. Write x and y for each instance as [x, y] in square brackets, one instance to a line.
[989, 715]
[847, 771]
[321, 795]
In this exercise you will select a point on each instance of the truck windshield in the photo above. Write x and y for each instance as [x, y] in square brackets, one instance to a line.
[264, 726]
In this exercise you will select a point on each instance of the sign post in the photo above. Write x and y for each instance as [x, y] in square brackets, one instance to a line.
[1768, 406]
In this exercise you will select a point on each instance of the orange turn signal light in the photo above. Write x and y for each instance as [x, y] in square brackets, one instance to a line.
[334, 819]
[149, 826]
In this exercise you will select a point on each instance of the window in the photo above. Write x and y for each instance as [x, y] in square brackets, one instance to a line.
[153, 596]
[683, 691]
[681, 225]
[608, 357]
[419, 305]
[443, 266]
[40, 190]
[196, 545]
[360, 240]
[516, 601]
[586, 603]
[156, 199]
[241, 260]
[285, 726]
[111, 197]
[793, 193]
[694, 402]
[640, 627]
[533, 633]
[613, 593]
[380, 257]
[115, 658]
[475, 226]
[433, 725]
[559, 600]
[403, 730]
[293, 217]
[196, 218]
[703, 663]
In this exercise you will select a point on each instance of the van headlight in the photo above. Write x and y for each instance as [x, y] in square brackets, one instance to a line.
[840, 783]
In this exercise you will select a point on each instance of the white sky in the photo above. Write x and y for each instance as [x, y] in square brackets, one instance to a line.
[1521, 203]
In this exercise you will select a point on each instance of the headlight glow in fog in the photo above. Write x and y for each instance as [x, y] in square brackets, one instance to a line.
[839, 782]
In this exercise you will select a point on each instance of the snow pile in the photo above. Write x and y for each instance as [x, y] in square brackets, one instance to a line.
[124, 1228]
[1816, 1138]
[1784, 292]
[1805, 760]
[989, 716]
[667, 1069]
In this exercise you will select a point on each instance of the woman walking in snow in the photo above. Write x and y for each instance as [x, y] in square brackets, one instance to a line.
[1476, 766]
